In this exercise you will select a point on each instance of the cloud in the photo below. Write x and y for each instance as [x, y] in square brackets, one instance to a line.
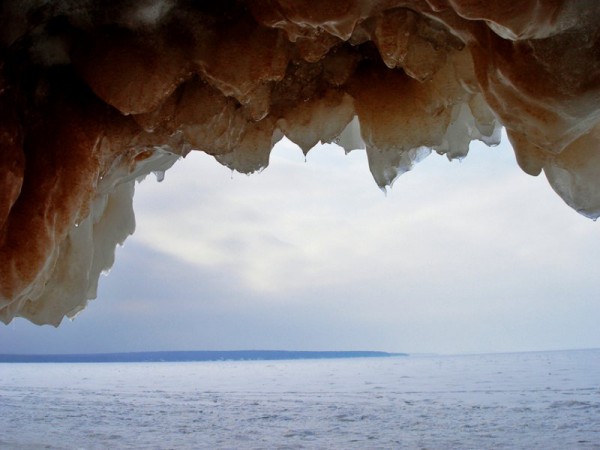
[471, 256]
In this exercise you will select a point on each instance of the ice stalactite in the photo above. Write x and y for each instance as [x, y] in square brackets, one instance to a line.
[94, 95]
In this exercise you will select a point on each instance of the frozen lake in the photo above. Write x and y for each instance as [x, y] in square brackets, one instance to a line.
[545, 400]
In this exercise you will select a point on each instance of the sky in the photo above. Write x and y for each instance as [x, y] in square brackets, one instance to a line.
[458, 257]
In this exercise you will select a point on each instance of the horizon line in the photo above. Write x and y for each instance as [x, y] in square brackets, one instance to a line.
[194, 355]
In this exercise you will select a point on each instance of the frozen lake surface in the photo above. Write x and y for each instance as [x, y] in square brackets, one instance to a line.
[543, 400]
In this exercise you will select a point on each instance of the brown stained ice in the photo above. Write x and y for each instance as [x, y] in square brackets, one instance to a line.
[94, 95]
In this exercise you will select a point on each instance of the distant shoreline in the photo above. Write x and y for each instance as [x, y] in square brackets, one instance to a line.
[183, 356]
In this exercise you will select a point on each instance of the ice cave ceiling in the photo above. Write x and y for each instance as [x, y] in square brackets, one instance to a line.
[95, 94]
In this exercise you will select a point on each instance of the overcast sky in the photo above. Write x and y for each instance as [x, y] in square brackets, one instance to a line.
[310, 255]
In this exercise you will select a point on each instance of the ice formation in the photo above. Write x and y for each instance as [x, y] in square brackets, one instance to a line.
[96, 94]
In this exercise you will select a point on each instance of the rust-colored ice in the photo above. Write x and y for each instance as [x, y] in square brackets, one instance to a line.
[96, 94]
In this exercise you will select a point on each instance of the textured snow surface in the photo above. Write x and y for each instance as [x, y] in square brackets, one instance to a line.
[96, 94]
[546, 400]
